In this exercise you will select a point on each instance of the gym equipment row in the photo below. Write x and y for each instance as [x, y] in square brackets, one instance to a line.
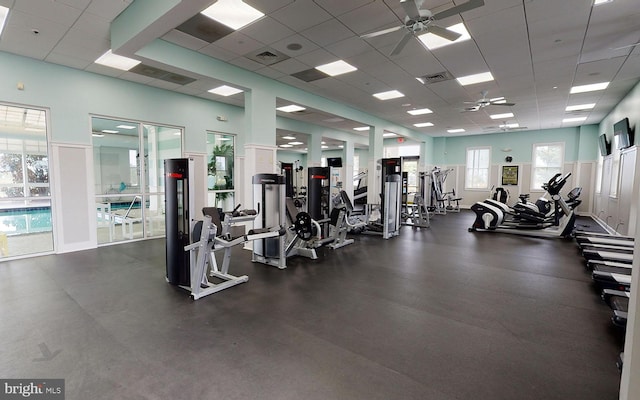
[609, 258]
[553, 218]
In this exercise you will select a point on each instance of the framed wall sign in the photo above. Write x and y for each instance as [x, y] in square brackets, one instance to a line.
[509, 175]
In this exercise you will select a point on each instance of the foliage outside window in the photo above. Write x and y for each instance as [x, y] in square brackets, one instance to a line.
[548, 160]
[221, 150]
[477, 171]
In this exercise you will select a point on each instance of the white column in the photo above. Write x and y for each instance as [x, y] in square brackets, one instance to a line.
[376, 152]
[348, 153]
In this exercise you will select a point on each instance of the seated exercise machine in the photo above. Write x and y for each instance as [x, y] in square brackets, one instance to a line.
[212, 236]
[417, 213]
[306, 233]
[441, 201]
[494, 216]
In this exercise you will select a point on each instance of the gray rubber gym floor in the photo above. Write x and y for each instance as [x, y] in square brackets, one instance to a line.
[436, 313]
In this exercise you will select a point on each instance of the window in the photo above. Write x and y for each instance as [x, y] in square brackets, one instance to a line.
[477, 175]
[548, 160]
[25, 194]
[220, 148]
[129, 177]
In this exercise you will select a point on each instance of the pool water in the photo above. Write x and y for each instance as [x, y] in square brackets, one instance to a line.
[25, 220]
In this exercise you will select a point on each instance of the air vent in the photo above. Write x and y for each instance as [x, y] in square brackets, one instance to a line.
[161, 74]
[204, 28]
[267, 56]
[433, 78]
[310, 75]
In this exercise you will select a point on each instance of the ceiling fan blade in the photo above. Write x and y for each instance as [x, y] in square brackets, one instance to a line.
[443, 32]
[470, 5]
[410, 8]
[382, 32]
[502, 104]
[403, 42]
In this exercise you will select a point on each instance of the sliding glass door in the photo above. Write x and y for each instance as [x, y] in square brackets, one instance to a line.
[25, 193]
[128, 165]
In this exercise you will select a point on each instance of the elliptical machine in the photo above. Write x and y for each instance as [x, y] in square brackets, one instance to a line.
[493, 216]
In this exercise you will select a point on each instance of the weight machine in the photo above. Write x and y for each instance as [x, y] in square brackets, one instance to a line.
[440, 201]
[417, 214]
[214, 235]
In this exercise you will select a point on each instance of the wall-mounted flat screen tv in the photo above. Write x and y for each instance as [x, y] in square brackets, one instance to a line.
[621, 131]
[604, 145]
[335, 162]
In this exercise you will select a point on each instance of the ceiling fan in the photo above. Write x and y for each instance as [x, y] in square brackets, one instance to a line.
[417, 21]
[485, 102]
[506, 127]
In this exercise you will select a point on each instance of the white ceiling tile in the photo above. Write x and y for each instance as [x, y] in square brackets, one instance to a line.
[239, 43]
[327, 33]
[317, 57]
[218, 53]
[267, 30]
[48, 10]
[303, 45]
[185, 40]
[338, 7]
[79, 4]
[108, 9]
[349, 47]
[369, 18]
[93, 25]
[290, 66]
[245, 63]
[67, 60]
[268, 6]
[270, 72]
[301, 15]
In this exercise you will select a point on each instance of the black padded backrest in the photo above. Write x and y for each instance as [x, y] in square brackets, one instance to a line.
[215, 217]
[197, 232]
[292, 210]
[347, 202]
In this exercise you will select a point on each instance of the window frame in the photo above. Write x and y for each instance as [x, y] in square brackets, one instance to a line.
[466, 168]
[534, 146]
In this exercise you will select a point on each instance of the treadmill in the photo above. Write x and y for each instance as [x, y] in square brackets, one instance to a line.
[618, 300]
[611, 280]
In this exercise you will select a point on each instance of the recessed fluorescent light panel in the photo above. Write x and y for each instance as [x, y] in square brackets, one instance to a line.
[4, 12]
[589, 88]
[289, 137]
[501, 116]
[475, 78]
[576, 119]
[225, 90]
[233, 13]
[498, 100]
[455, 130]
[361, 128]
[391, 94]
[324, 147]
[423, 124]
[291, 108]
[97, 135]
[420, 111]
[580, 107]
[126, 127]
[434, 41]
[598, 2]
[510, 126]
[286, 145]
[389, 134]
[109, 131]
[295, 143]
[115, 61]
[336, 68]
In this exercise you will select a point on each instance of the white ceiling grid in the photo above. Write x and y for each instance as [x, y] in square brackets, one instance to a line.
[536, 50]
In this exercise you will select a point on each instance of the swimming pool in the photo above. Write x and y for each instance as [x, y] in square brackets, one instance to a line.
[20, 221]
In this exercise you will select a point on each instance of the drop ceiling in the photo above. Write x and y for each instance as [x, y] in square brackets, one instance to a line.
[535, 49]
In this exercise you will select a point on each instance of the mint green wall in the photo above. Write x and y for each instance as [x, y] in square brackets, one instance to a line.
[291, 157]
[580, 144]
[73, 95]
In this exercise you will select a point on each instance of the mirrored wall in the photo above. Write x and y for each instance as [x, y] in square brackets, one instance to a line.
[26, 225]
[129, 182]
